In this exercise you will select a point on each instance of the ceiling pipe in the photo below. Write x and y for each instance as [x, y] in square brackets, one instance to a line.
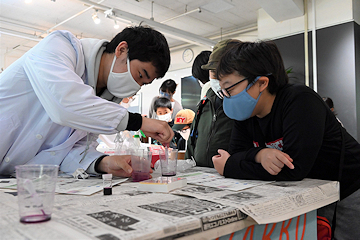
[181, 15]
[252, 27]
[20, 34]
[171, 31]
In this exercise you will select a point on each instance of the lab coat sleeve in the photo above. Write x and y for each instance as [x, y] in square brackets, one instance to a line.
[54, 68]
[74, 159]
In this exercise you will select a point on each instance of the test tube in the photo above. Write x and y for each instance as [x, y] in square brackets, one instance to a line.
[107, 183]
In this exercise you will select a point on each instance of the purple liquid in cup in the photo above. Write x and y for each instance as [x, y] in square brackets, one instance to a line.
[35, 218]
[140, 176]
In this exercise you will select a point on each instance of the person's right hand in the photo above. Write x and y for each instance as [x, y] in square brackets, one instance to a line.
[159, 130]
[273, 160]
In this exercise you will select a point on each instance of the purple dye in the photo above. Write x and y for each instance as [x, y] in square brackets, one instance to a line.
[169, 174]
[140, 176]
[107, 191]
[35, 218]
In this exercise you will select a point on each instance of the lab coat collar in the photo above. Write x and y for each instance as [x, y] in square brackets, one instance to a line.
[93, 50]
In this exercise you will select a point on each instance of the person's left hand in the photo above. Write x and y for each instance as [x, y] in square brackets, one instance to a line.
[220, 161]
[117, 165]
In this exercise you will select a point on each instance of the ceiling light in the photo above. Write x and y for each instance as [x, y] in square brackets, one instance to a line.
[116, 26]
[28, 1]
[95, 17]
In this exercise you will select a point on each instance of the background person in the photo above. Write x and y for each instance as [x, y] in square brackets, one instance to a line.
[211, 128]
[200, 74]
[285, 132]
[181, 127]
[329, 102]
[167, 89]
[62, 93]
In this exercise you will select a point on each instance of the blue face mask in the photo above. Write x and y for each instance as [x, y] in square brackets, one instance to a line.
[164, 94]
[241, 105]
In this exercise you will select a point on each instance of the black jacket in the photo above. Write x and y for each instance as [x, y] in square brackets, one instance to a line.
[210, 131]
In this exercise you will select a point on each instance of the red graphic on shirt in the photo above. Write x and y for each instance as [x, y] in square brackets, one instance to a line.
[180, 120]
[277, 144]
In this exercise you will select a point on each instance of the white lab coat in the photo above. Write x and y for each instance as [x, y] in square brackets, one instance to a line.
[47, 106]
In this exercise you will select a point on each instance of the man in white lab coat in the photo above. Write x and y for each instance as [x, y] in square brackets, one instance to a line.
[57, 98]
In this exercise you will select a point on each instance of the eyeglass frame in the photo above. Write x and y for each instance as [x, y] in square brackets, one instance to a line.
[223, 92]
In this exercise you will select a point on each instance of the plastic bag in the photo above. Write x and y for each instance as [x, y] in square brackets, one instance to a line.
[182, 165]
[124, 143]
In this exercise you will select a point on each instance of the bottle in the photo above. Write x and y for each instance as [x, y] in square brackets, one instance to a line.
[137, 140]
[107, 184]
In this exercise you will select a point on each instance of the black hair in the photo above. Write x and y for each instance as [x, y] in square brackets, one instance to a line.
[144, 44]
[168, 86]
[329, 102]
[162, 102]
[197, 71]
[252, 59]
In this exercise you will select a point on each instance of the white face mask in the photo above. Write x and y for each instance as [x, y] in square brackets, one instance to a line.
[185, 133]
[165, 117]
[215, 86]
[201, 84]
[122, 85]
[125, 105]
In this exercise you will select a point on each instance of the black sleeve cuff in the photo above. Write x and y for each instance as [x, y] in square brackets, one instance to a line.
[97, 164]
[135, 122]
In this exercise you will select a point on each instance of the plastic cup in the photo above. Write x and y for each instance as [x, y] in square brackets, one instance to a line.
[168, 161]
[140, 163]
[36, 190]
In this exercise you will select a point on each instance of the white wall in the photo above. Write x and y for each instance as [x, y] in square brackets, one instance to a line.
[328, 13]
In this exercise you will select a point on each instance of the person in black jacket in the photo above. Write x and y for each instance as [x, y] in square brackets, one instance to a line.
[285, 132]
[211, 128]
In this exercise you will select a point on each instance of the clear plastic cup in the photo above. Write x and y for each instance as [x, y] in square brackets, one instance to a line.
[140, 163]
[168, 161]
[36, 190]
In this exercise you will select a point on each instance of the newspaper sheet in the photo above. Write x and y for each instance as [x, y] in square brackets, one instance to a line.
[69, 185]
[127, 214]
[218, 181]
[272, 202]
[187, 212]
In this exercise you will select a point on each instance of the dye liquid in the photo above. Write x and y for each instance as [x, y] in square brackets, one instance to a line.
[35, 218]
[107, 191]
[140, 176]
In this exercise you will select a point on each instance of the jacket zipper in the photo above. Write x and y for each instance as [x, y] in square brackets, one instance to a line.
[214, 118]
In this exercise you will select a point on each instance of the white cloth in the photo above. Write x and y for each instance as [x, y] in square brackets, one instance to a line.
[47, 106]
[204, 90]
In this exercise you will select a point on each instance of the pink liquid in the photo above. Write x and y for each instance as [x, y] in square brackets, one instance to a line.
[140, 176]
[169, 174]
[35, 218]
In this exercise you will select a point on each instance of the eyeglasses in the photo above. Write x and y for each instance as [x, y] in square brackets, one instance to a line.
[225, 92]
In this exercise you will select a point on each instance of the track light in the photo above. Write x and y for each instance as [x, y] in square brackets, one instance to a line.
[116, 25]
[95, 17]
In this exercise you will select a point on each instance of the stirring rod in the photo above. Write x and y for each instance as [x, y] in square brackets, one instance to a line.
[29, 186]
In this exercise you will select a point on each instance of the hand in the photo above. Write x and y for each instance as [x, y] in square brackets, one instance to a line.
[159, 130]
[273, 160]
[117, 165]
[220, 161]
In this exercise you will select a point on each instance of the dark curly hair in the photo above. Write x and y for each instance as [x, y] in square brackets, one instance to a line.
[146, 45]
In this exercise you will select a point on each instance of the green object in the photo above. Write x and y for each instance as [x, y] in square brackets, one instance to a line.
[142, 133]
[213, 133]
[216, 54]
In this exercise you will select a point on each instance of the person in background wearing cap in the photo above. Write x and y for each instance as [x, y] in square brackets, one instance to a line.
[200, 74]
[211, 128]
[182, 123]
